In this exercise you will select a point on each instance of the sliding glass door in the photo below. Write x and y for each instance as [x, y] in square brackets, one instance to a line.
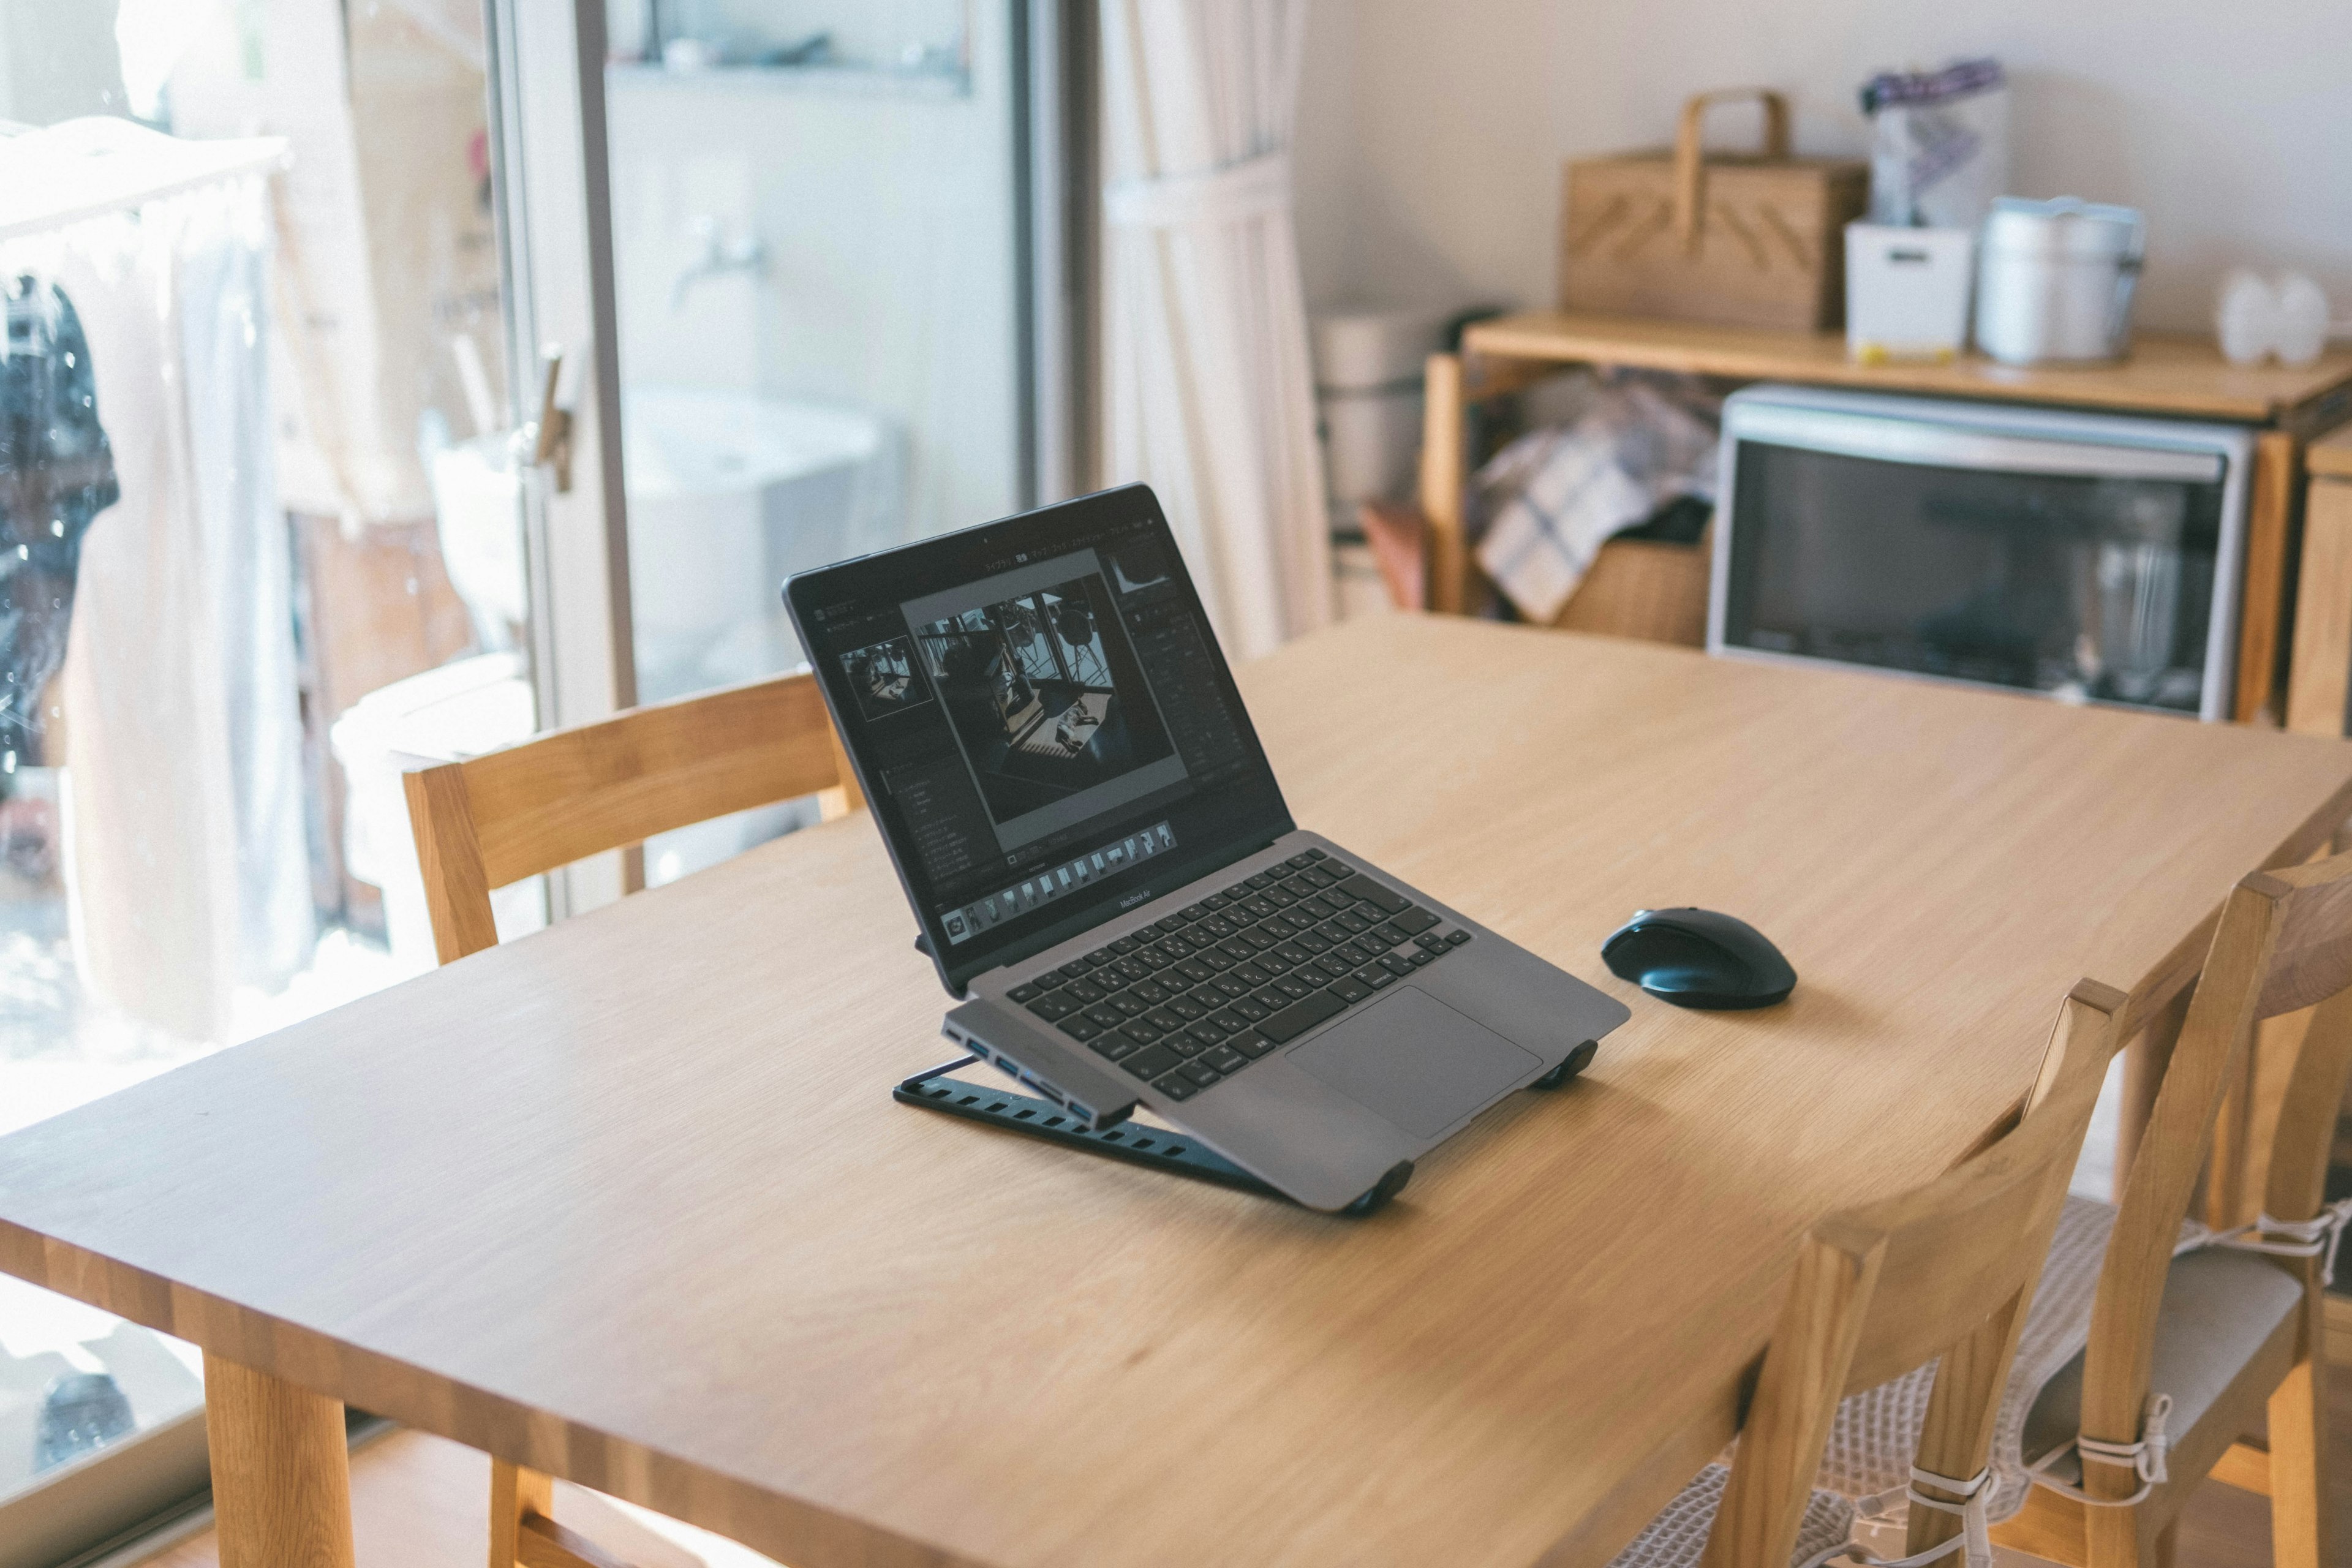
[389, 381]
[843, 300]
[260, 548]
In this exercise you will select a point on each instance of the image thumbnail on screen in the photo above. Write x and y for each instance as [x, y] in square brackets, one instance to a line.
[1047, 700]
[883, 676]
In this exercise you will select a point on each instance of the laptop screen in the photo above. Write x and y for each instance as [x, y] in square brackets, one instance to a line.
[1042, 721]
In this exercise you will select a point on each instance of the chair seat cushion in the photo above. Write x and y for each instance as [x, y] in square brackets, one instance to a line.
[2220, 1306]
[1678, 1535]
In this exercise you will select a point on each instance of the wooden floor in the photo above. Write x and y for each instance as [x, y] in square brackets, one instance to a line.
[421, 1502]
[2224, 1528]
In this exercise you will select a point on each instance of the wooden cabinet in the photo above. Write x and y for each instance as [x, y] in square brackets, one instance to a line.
[2177, 375]
[2321, 672]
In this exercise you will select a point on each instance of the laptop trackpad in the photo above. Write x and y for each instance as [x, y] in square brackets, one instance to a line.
[1416, 1062]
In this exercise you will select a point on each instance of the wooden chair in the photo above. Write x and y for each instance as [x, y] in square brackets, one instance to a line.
[569, 794]
[1948, 1269]
[553, 799]
[2197, 1337]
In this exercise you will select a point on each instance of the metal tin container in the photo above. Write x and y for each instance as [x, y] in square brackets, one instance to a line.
[2054, 281]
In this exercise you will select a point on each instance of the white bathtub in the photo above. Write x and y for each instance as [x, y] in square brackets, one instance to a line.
[730, 493]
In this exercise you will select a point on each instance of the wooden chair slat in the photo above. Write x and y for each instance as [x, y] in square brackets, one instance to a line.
[2304, 1134]
[2314, 961]
[560, 797]
[575, 792]
[1948, 1247]
[1946, 1271]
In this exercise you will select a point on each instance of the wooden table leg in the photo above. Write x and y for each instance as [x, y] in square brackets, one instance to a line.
[281, 1471]
[2145, 1061]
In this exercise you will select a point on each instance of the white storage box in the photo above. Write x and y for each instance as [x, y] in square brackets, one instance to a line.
[1906, 291]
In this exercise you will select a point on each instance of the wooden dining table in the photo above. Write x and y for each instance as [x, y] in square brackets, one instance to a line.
[629, 1200]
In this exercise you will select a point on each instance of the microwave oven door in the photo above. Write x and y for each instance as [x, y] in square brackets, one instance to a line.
[2088, 570]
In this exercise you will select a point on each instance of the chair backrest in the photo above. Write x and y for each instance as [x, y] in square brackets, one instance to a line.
[2283, 944]
[559, 797]
[1946, 1270]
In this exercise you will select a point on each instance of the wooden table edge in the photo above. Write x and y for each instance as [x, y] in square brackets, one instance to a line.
[281, 1435]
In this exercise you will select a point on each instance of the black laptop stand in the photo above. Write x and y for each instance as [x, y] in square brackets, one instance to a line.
[1172, 1153]
[1150, 1147]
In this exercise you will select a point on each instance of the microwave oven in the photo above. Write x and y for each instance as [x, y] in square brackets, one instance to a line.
[2085, 557]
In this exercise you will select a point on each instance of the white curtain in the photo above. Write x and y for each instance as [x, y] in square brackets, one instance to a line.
[1208, 396]
[186, 864]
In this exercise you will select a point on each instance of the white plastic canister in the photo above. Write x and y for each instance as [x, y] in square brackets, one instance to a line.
[2055, 280]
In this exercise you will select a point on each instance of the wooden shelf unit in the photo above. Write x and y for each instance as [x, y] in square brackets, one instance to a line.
[2319, 680]
[2179, 376]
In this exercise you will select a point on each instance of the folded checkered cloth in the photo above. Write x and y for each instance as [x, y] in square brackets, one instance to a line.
[1555, 496]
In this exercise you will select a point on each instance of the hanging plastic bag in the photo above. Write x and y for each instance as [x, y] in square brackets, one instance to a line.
[1938, 144]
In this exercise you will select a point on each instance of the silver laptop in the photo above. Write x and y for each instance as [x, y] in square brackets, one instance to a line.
[1104, 868]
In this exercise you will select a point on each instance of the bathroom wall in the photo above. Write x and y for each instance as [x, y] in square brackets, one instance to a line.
[1431, 138]
[886, 201]
[57, 61]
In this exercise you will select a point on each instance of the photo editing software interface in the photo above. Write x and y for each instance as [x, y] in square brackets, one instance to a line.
[1040, 731]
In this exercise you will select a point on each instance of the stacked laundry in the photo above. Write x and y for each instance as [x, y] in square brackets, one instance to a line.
[1624, 448]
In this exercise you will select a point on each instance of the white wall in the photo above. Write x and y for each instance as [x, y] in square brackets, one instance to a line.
[1431, 138]
[887, 212]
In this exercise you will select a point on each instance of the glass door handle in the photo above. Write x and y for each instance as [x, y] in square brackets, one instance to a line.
[550, 434]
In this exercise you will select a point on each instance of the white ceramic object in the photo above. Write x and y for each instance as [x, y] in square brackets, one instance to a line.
[730, 494]
[2246, 317]
[479, 499]
[460, 710]
[2302, 319]
[2056, 279]
[1906, 290]
[2255, 317]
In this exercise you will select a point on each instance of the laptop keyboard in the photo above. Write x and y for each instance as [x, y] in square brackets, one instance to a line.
[1187, 1001]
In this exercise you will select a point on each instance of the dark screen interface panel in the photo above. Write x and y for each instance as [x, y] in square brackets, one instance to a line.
[1040, 732]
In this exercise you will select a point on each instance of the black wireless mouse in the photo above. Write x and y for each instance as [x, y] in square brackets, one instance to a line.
[1696, 958]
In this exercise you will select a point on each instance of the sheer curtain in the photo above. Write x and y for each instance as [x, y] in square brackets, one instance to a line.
[1208, 395]
[187, 870]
